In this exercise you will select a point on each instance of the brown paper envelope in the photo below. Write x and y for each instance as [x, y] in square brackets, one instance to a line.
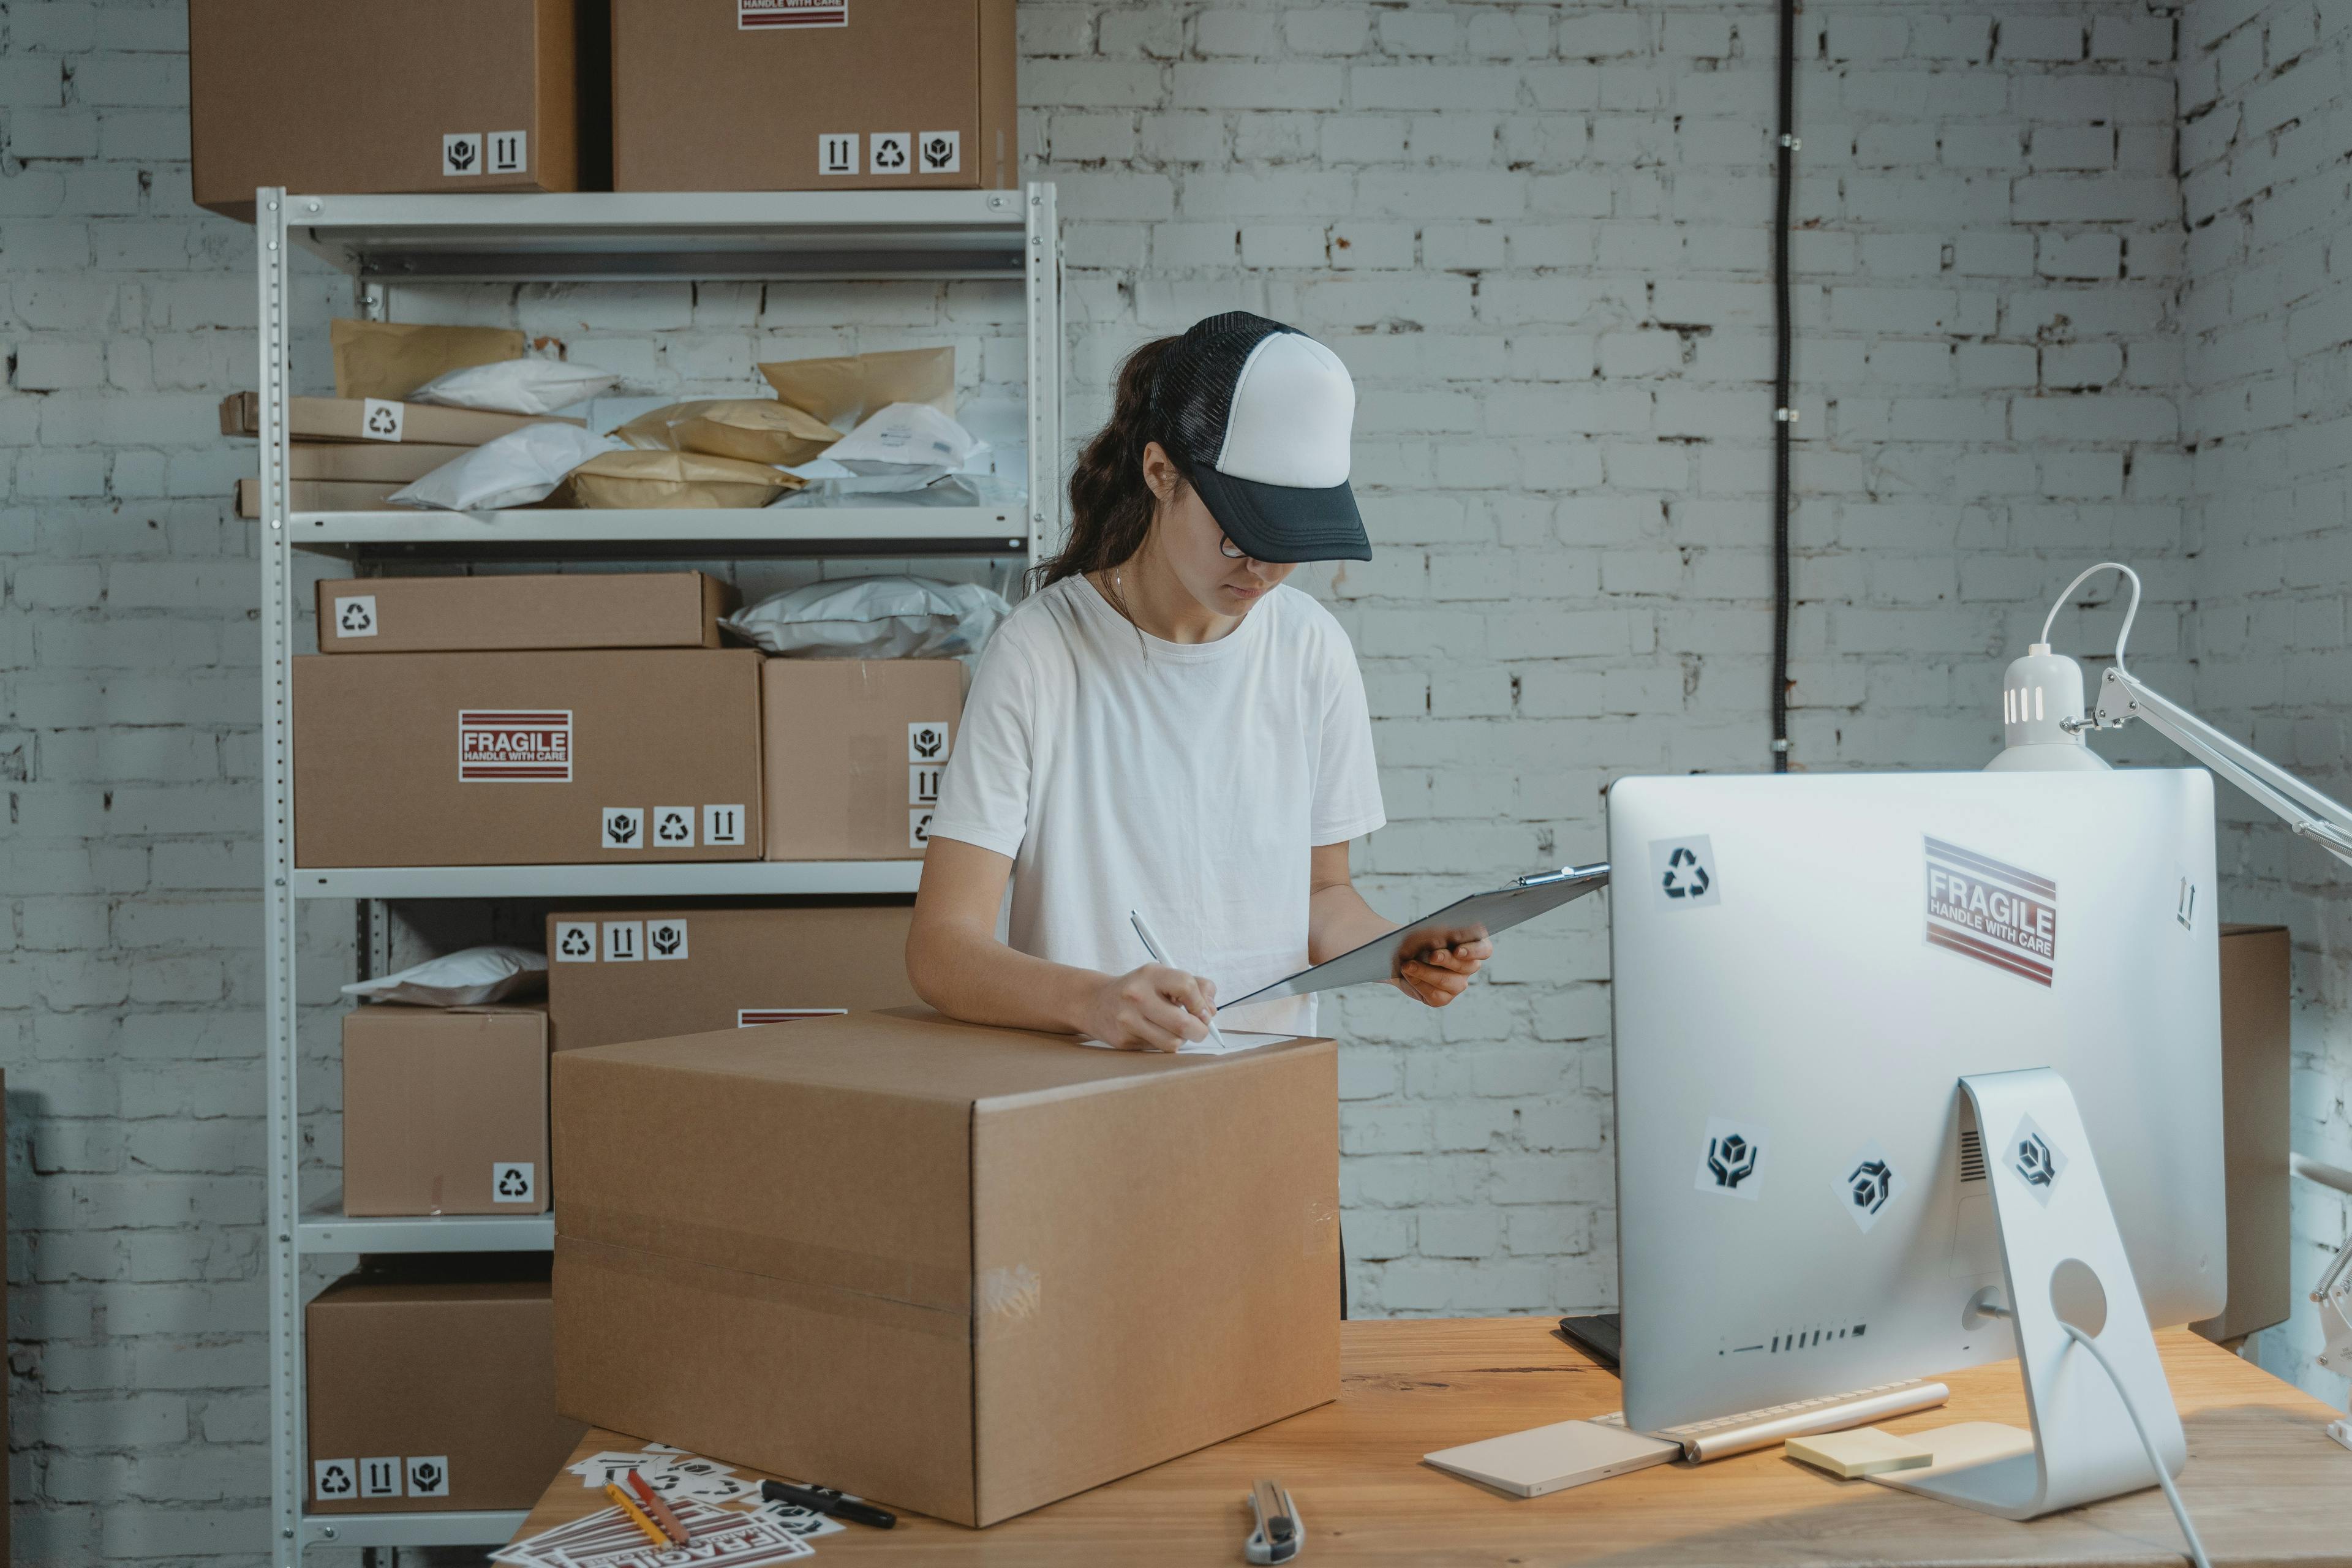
[392, 359]
[842, 391]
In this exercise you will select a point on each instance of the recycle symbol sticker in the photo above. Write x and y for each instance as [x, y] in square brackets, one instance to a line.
[1683, 871]
[355, 616]
[511, 1182]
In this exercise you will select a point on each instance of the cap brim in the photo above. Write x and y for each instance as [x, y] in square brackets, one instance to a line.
[1280, 523]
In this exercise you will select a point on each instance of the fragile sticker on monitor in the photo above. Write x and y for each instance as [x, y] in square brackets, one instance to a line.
[1732, 1164]
[792, 13]
[1995, 913]
[514, 745]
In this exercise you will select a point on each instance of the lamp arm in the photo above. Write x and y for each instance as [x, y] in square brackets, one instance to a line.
[2123, 697]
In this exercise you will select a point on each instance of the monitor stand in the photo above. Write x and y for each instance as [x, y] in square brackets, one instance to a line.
[2063, 1258]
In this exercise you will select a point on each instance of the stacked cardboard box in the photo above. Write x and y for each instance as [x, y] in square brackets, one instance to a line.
[350, 454]
[445, 1111]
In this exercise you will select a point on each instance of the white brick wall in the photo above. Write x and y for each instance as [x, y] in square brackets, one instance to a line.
[2267, 315]
[1538, 234]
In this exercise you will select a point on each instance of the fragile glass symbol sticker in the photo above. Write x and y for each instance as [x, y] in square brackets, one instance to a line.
[1867, 1185]
[1683, 871]
[1732, 1164]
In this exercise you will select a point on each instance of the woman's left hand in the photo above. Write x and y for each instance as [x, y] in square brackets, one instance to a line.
[1438, 974]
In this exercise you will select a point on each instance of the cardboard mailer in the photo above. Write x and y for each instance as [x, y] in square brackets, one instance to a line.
[445, 1111]
[855, 748]
[525, 610]
[401, 95]
[787, 95]
[963, 1270]
[392, 359]
[378, 419]
[644, 974]
[527, 759]
[431, 1385]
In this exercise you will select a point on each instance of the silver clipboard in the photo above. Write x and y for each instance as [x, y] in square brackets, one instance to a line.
[1467, 920]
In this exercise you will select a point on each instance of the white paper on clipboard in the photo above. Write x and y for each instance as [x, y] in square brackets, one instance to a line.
[1466, 919]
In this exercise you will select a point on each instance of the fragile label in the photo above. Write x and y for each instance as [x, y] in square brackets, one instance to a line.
[514, 1181]
[575, 941]
[382, 419]
[722, 824]
[1732, 1163]
[428, 1474]
[1994, 913]
[940, 152]
[745, 1017]
[514, 745]
[461, 154]
[927, 741]
[622, 827]
[665, 939]
[355, 616]
[792, 13]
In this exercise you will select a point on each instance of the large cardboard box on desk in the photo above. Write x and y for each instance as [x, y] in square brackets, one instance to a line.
[855, 748]
[431, 1384]
[642, 975]
[527, 759]
[962, 1270]
[445, 1109]
[814, 94]
[332, 96]
[534, 610]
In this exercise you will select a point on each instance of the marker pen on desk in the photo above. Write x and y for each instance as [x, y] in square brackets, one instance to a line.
[1160, 956]
[833, 1504]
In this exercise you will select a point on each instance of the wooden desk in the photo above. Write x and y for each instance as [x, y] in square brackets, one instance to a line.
[2264, 1483]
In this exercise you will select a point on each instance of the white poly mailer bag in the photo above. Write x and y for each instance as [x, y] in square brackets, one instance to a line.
[517, 468]
[517, 386]
[913, 443]
[874, 617]
[466, 978]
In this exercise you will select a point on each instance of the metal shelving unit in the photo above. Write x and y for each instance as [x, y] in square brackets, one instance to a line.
[423, 239]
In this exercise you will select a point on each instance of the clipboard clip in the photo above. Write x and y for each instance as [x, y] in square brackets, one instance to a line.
[1279, 1534]
[1545, 878]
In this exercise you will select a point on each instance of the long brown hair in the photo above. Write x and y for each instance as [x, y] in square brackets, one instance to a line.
[1111, 508]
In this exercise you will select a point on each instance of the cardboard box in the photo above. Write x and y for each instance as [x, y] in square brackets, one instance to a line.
[550, 610]
[378, 419]
[527, 759]
[2257, 968]
[432, 1388]
[855, 752]
[333, 97]
[645, 974]
[962, 1270]
[445, 1111]
[318, 495]
[814, 94]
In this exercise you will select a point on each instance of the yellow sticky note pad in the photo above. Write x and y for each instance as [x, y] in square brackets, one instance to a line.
[1864, 1451]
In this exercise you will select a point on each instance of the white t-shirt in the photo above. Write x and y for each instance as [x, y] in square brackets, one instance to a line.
[1187, 781]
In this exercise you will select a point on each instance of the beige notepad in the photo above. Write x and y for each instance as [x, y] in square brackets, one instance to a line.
[1864, 1451]
[1551, 1458]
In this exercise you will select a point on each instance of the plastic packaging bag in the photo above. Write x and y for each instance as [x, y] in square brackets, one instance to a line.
[392, 359]
[653, 479]
[904, 447]
[517, 468]
[466, 978]
[843, 391]
[517, 386]
[749, 429]
[874, 617]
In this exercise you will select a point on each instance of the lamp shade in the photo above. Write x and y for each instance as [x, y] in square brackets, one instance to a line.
[2039, 696]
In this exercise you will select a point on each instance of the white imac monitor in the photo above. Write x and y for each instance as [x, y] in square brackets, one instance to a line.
[1804, 967]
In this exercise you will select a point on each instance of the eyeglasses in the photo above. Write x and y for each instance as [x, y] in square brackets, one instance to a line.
[1229, 550]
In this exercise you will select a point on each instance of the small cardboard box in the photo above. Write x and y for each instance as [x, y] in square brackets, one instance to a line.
[644, 974]
[432, 1388]
[401, 95]
[814, 94]
[854, 751]
[445, 1111]
[527, 759]
[962, 1270]
[2257, 971]
[550, 610]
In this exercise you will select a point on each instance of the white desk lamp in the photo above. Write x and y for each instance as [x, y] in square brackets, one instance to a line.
[2042, 728]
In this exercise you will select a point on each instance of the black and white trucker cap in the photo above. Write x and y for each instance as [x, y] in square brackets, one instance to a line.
[1262, 414]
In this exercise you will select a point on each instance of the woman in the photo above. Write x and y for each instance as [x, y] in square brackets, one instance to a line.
[1165, 728]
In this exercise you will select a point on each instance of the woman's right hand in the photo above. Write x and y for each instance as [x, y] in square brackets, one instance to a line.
[1154, 1008]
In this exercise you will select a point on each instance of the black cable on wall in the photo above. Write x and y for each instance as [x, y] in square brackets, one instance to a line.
[1784, 410]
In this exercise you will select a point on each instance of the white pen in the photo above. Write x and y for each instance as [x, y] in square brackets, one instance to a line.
[1160, 956]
